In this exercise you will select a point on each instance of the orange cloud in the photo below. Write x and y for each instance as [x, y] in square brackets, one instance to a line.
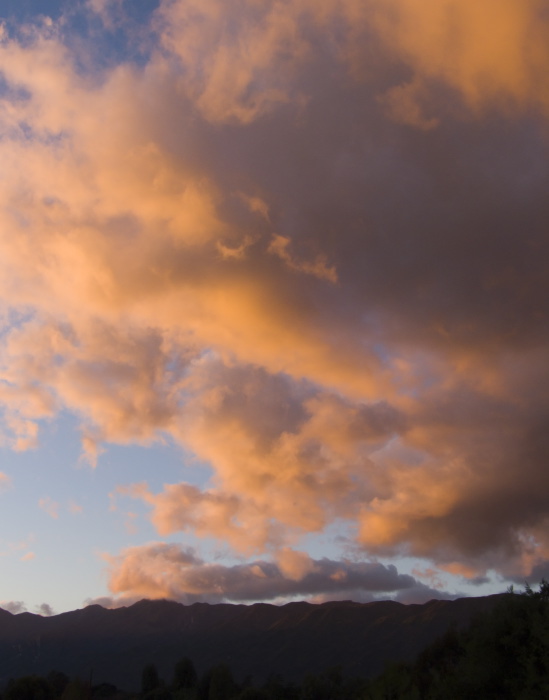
[238, 63]
[5, 481]
[460, 569]
[318, 268]
[295, 565]
[282, 471]
[160, 570]
[491, 52]
[321, 276]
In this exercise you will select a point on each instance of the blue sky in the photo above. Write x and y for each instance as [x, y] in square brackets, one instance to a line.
[274, 300]
[76, 522]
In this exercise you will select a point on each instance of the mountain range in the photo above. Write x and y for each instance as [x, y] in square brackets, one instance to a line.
[253, 640]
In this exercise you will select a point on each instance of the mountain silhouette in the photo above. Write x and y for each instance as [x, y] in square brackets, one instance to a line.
[253, 640]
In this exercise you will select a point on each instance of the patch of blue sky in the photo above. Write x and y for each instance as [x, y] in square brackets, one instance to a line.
[12, 318]
[57, 517]
[22, 131]
[12, 92]
[416, 370]
[335, 542]
[161, 463]
[24, 10]
[397, 450]
[122, 35]
[426, 572]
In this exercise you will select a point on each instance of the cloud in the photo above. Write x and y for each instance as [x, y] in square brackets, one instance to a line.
[161, 570]
[5, 482]
[238, 62]
[318, 268]
[75, 508]
[110, 12]
[45, 610]
[50, 507]
[288, 461]
[325, 276]
[18, 546]
[15, 607]
[494, 52]
[29, 556]
[294, 565]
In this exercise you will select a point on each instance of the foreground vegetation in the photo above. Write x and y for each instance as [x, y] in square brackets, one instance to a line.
[503, 655]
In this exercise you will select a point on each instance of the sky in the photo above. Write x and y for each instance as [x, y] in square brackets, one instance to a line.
[274, 293]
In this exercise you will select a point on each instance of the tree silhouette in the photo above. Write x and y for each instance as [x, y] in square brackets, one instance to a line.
[221, 685]
[76, 690]
[149, 679]
[502, 655]
[28, 688]
[184, 675]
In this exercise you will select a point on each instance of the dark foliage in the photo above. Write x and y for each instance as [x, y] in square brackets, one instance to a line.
[184, 675]
[28, 688]
[503, 655]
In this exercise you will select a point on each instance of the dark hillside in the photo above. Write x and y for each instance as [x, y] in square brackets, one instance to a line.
[255, 640]
[502, 655]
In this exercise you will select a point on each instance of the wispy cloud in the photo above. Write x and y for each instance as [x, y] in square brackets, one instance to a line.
[19, 546]
[75, 508]
[5, 482]
[49, 506]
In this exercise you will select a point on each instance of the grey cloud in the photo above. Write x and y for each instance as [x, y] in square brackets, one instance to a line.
[45, 610]
[479, 580]
[539, 572]
[14, 606]
[243, 582]
[184, 577]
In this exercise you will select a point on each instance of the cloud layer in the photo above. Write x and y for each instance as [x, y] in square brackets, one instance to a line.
[306, 240]
[161, 570]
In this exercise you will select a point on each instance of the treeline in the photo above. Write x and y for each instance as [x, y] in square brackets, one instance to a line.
[217, 683]
[502, 655]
